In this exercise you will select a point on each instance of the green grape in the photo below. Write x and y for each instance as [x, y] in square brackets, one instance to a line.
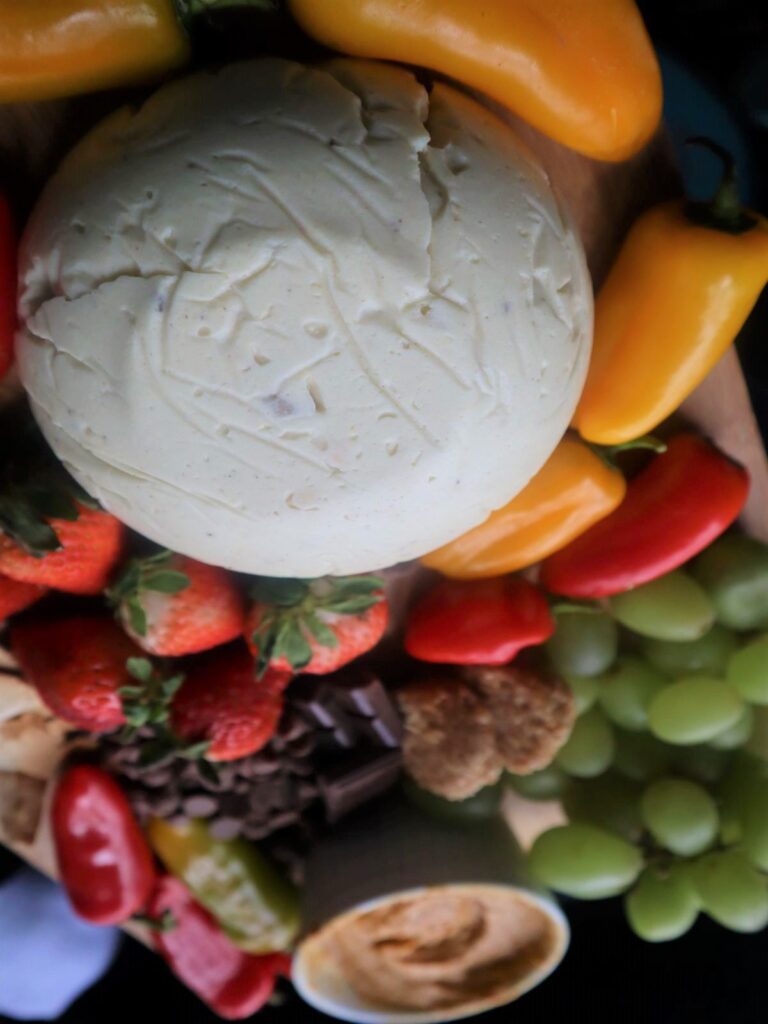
[547, 784]
[641, 757]
[589, 749]
[610, 802]
[738, 734]
[584, 689]
[694, 710]
[584, 643]
[748, 672]
[586, 862]
[673, 607]
[734, 572]
[708, 654]
[745, 775]
[754, 824]
[662, 906]
[485, 804]
[680, 815]
[732, 891]
[700, 762]
[757, 744]
[627, 691]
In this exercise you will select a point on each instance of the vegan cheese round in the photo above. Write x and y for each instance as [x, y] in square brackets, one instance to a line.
[299, 321]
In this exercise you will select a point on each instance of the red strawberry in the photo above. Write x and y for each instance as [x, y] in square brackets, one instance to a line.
[315, 626]
[172, 605]
[78, 665]
[221, 701]
[75, 554]
[15, 597]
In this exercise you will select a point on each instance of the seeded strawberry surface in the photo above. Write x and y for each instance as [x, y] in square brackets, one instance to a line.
[173, 605]
[78, 666]
[315, 626]
[222, 703]
[89, 547]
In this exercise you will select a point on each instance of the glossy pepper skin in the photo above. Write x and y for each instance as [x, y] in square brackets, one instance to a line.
[232, 983]
[684, 499]
[104, 860]
[478, 622]
[573, 490]
[253, 903]
[581, 71]
[7, 285]
[680, 290]
[52, 48]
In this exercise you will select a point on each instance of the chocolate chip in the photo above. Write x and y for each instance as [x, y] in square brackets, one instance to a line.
[226, 828]
[200, 806]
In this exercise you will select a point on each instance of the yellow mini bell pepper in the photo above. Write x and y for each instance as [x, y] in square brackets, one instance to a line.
[581, 71]
[573, 490]
[681, 288]
[55, 48]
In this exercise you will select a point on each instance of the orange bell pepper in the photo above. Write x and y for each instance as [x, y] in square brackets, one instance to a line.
[581, 71]
[680, 290]
[574, 490]
[55, 48]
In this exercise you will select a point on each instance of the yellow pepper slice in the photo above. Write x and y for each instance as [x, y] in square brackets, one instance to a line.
[573, 490]
[681, 288]
[581, 71]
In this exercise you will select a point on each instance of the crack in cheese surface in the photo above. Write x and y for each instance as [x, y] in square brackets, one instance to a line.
[298, 321]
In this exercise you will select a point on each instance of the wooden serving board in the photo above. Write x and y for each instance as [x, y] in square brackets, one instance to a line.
[603, 198]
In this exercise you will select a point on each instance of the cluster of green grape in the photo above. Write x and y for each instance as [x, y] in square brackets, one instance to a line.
[664, 778]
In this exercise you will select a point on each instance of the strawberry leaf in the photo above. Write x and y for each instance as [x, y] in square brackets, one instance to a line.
[282, 593]
[350, 605]
[141, 669]
[51, 502]
[166, 582]
[131, 692]
[170, 687]
[291, 643]
[136, 615]
[195, 751]
[322, 633]
[22, 524]
[353, 585]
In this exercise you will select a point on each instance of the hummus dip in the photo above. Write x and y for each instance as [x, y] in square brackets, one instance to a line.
[440, 947]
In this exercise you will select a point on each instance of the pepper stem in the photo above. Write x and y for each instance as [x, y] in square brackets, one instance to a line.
[724, 211]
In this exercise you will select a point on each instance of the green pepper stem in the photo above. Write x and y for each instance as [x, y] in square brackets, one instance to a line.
[724, 211]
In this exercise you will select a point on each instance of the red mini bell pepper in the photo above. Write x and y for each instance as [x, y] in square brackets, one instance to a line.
[104, 860]
[7, 285]
[478, 622]
[234, 984]
[673, 509]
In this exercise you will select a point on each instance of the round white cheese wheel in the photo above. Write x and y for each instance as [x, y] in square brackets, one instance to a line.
[298, 321]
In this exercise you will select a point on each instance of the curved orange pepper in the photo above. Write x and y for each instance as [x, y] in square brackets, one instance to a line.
[573, 491]
[681, 288]
[581, 71]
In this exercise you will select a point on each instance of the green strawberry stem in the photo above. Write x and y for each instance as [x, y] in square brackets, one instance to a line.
[292, 614]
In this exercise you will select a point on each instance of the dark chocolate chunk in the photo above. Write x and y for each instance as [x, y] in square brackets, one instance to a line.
[358, 779]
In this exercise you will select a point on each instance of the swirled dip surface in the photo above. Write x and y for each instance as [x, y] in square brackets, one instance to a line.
[444, 947]
[298, 321]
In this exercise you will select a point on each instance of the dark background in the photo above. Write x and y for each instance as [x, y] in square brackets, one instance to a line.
[715, 56]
